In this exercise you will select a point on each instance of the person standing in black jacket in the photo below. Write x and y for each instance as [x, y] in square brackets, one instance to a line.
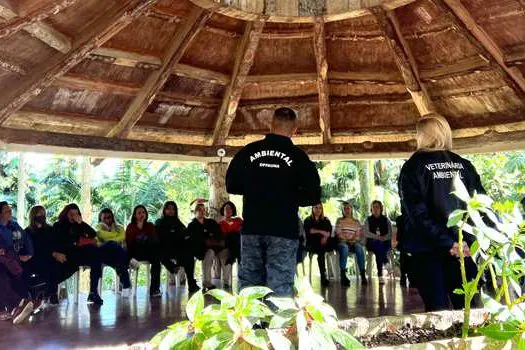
[404, 258]
[425, 186]
[274, 177]
[175, 242]
[75, 245]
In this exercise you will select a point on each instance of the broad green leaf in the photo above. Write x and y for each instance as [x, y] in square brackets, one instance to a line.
[455, 217]
[345, 339]
[255, 292]
[521, 342]
[218, 341]
[195, 306]
[315, 313]
[257, 309]
[320, 338]
[234, 324]
[173, 338]
[215, 312]
[474, 248]
[302, 332]
[460, 190]
[459, 291]
[257, 339]
[283, 303]
[178, 325]
[219, 294]
[501, 331]
[282, 319]
[496, 309]
[157, 339]
[494, 235]
[279, 341]
[229, 302]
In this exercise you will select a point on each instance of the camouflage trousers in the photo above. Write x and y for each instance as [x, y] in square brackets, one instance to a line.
[268, 261]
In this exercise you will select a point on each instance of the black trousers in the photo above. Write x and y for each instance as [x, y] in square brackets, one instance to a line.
[88, 255]
[404, 267]
[436, 275]
[114, 255]
[184, 256]
[151, 252]
[313, 245]
[12, 288]
[233, 243]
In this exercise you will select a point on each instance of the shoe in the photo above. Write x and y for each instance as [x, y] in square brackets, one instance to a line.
[155, 294]
[126, 292]
[344, 280]
[325, 282]
[5, 316]
[53, 300]
[193, 288]
[364, 281]
[23, 311]
[94, 298]
[381, 280]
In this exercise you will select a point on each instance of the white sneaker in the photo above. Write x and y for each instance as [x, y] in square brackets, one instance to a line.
[23, 311]
[126, 292]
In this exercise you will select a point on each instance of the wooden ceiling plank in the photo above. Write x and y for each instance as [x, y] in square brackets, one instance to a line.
[201, 74]
[184, 35]
[403, 61]
[32, 24]
[465, 66]
[243, 62]
[455, 12]
[323, 89]
[11, 67]
[108, 24]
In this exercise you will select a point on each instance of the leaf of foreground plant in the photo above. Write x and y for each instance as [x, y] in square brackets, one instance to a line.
[279, 341]
[460, 190]
[195, 306]
[218, 341]
[455, 217]
[255, 292]
[174, 338]
[521, 342]
[321, 338]
[157, 339]
[283, 303]
[459, 291]
[501, 331]
[219, 294]
[256, 338]
[344, 339]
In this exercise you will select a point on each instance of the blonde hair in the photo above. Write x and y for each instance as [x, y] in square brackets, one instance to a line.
[433, 133]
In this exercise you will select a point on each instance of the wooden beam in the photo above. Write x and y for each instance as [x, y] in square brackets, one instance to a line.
[201, 74]
[126, 58]
[11, 67]
[459, 16]
[41, 31]
[188, 29]
[465, 66]
[107, 25]
[403, 61]
[15, 23]
[516, 58]
[323, 88]
[243, 62]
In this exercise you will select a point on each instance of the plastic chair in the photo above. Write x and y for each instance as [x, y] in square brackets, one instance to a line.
[136, 279]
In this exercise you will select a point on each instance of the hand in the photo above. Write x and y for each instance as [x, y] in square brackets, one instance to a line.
[324, 240]
[61, 258]
[2, 251]
[78, 219]
[25, 258]
[454, 251]
[466, 249]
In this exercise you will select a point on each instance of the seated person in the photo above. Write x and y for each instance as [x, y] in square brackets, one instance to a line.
[208, 243]
[75, 245]
[176, 243]
[111, 238]
[348, 232]
[143, 244]
[378, 233]
[318, 231]
[231, 226]
[15, 249]
[43, 264]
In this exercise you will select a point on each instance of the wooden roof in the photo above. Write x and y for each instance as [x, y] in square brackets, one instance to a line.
[178, 77]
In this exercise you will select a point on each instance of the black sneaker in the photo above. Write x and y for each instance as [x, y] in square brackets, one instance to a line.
[94, 298]
[345, 281]
[155, 294]
[364, 281]
[325, 282]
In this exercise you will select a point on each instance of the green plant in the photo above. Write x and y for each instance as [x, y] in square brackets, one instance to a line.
[238, 322]
[498, 240]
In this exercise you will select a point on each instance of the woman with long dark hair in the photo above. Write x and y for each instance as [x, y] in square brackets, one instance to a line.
[425, 187]
[318, 229]
[378, 233]
[143, 242]
[176, 242]
[111, 238]
[75, 245]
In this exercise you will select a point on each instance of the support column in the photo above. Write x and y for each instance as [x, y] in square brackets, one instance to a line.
[217, 182]
[85, 194]
[366, 179]
[21, 190]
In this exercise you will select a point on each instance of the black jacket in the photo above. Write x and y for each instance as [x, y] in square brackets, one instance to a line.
[202, 235]
[66, 235]
[425, 186]
[275, 177]
[42, 242]
[172, 233]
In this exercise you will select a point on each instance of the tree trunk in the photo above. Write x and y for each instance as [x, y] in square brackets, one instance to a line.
[85, 196]
[217, 182]
[21, 190]
[366, 180]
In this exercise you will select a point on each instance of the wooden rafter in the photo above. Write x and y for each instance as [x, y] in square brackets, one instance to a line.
[323, 88]
[39, 30]
[243, 62]
[465, 24]
[403, 61]
[15, 23]
[192, 23]
[11, 67]
[108, 24]
[465, 66]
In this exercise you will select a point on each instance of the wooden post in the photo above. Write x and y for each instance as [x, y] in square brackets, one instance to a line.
[85, 196]
[21, 190]
[365, 170]
[323, 88]
[217, 182]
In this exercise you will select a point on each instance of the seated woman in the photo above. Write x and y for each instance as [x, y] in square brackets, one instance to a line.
[176, 243]
[43, 264]
[318, 229]
[15, 249]
[378, 233]
[208, 243]
[231, 226]
[75, 245]
[112, 238]
[348, 232]
[143, 244]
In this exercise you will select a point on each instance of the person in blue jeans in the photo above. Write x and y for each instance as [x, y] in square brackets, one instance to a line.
[348, 232]
[378, 233]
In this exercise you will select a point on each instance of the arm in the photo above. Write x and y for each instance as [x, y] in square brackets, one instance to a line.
[130, 239]
[104, 234]
[28, 250]
[416, 208]
[309, 183]
[388, 236]
[366, 229]
[235, 174]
